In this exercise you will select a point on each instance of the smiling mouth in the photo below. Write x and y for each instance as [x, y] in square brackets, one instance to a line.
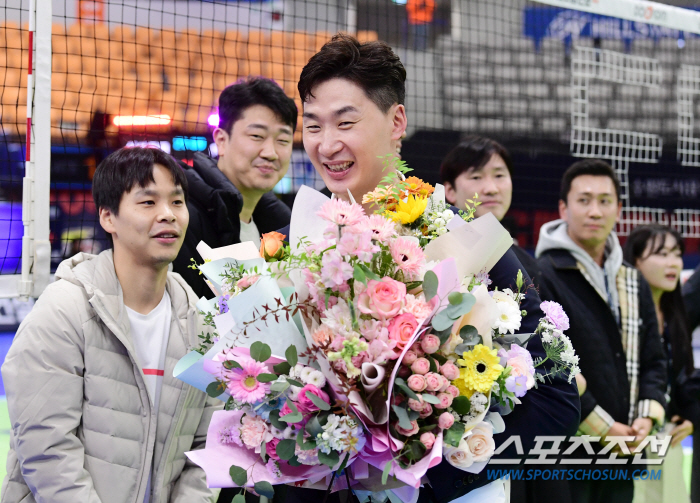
[338, 168]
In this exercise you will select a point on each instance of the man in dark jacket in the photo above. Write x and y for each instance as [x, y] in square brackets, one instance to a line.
[354, 115]
[613, 322]
[483, 167]
[230, 199]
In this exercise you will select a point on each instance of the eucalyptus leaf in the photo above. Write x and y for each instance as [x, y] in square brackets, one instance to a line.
[215, 389]
[469, 335]
[430, 285]
[461, 405]
[455, 311]
[282, 368]
[431, 399]
[318, 401]
[231, 364]
[455, 298]
[443, 335]
[292, 417]
[266, 377]
[238, 475]
[238, 498]
[260, 351]
[454, 435]
[294, 382]
[331, 459]
[313, 427]
[264, 488]
[402, 414]
[294, 461]
[279, 386]
[291, 355]
[442, 321]
[285, 448]
[275, 419]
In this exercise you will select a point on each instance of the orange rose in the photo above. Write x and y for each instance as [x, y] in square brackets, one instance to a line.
[272, 246]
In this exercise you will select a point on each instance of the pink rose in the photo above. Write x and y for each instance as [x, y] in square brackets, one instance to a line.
[445, 421]
[445, 383]
[427, 410]
[427, 439]
[433, 381]
[247, 281]
[420, 366]
[430, 343]
[414, 429]
[416, 405]
[402, 328]
[445, 400]
[271, 448]
[417, 349]
[450, 371]
[305, 402]
[416, 382]
[453, 390]
[409, 357]
[382, 299]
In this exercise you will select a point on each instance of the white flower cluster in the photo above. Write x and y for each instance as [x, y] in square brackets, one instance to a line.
[509, 313]
[555, 341]
[478, 403]
[337, 434]
[437, 216]
[307, 375]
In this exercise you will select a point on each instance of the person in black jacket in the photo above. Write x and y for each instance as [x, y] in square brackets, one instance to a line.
[613, 321]
[691, 299]
[483, 166]
[354, 115]
[230, 199]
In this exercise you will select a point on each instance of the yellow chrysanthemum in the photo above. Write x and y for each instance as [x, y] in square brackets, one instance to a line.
[410, 210]
[479, 369]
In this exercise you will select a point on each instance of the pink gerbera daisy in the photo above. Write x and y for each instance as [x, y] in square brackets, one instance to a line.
[243, 383]
[381, 227]
[341, 212]
[408, 256]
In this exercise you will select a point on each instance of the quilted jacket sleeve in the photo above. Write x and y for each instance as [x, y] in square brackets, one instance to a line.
[43, 377]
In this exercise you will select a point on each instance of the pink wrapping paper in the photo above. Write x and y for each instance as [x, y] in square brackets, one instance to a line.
[216, 458]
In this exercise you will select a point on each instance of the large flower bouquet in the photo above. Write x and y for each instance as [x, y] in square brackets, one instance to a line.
[396, 342]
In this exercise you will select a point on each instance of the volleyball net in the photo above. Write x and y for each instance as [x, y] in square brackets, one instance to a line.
[552, 81]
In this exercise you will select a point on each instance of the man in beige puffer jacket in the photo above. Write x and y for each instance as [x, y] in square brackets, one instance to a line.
[86, 426]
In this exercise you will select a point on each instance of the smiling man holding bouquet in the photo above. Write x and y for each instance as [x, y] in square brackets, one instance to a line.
[354, 116]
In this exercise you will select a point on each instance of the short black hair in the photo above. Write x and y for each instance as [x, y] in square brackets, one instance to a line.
[129, 166]
[372, 65]
[594, 167]
[249, 91]
[473, 152]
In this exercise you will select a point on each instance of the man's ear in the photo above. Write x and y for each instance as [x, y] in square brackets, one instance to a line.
[450, 193]
[619, 212]
[107, 220]
[220, 138]
[562, 210]
[399, 122]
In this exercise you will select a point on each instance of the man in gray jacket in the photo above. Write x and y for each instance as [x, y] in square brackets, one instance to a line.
[95, 411]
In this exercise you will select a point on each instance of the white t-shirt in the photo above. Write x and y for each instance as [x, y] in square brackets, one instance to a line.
[250, 232]
[150, 333]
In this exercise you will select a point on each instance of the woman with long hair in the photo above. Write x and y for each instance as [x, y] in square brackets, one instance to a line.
[657, 251]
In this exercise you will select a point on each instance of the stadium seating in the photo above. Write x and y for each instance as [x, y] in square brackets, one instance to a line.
[140, 71]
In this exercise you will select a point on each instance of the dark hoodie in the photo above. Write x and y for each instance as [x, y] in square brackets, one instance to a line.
[214, 204]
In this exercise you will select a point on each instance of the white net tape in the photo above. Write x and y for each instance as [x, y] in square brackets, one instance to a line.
[688, 86]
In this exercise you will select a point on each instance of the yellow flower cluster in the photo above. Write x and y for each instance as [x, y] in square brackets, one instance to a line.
[409, 210]
[479, 368]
